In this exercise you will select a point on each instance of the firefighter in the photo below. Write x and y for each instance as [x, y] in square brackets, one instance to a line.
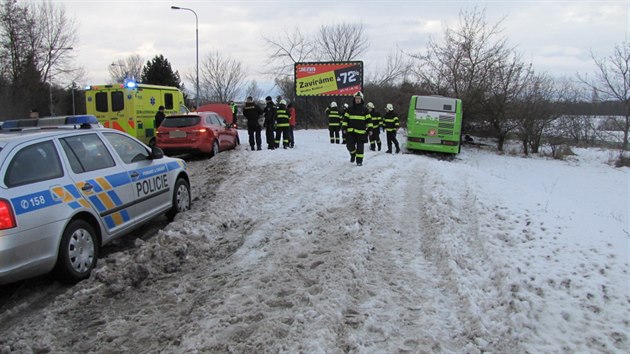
[391, 124]
[334, 122]
[375, 137]
[270, 122]
[357, 124]
[252, 112]
[282, 125]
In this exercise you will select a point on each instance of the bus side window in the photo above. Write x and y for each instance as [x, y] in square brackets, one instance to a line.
[168, 100]
[118, 101]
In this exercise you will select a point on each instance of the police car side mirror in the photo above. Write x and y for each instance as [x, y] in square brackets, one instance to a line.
[156, 153]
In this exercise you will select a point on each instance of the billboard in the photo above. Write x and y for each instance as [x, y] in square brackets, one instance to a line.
[328, 78]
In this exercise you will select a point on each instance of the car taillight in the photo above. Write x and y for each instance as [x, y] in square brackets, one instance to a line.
[202, 130]
[7, 219]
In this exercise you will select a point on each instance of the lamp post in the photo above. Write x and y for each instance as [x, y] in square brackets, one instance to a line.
[197, 46]
[52, 110]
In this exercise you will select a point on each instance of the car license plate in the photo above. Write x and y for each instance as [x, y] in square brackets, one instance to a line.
[176, 134]
[432, 140]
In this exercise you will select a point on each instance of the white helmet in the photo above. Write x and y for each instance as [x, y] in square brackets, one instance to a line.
[333, 104]
[283, 102]
[345, 105]
[370, 105]
[389, 107]
[359, 94]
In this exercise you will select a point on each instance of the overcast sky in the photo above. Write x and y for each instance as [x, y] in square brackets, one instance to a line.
[555, 36]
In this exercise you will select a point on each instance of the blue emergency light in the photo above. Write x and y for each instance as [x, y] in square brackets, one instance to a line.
[131, 84]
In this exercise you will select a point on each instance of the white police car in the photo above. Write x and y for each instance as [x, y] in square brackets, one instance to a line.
[69, 186]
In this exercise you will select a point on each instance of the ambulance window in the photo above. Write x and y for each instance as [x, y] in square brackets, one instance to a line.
[118, 101]
[168, 100]
[101, 102]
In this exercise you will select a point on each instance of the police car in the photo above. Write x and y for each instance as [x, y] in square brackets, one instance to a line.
[69, 186]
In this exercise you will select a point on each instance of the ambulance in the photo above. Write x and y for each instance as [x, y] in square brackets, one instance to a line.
[130, 107]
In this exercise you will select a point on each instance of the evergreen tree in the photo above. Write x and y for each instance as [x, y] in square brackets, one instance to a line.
[159, 72]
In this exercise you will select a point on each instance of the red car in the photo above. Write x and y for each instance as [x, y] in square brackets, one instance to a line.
[196, 132]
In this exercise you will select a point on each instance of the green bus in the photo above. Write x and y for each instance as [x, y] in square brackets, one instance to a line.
[434, 123]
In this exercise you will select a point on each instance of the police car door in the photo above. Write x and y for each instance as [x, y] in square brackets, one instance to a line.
[149, 178]
[31, 174]
[99, 180]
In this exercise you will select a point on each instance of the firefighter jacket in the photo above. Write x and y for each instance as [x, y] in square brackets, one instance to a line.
[390, 121]
[334, 117]
[357, 119]
[282, 117]
[252, 112]
[377, 121]
[270, 115]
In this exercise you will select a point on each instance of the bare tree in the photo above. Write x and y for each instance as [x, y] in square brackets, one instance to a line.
[221, 78]
[396, 70]
[35, 46]
[130, 67]
[463, 64]
[537, 109]
[286, 50]
[254, 91]
[341, 42]
[612, 82]
[58, 33]
[505, 83]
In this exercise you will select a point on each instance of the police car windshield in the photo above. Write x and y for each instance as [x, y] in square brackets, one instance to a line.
[180, 121]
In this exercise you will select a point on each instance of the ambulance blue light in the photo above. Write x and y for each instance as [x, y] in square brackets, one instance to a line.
[131, 84]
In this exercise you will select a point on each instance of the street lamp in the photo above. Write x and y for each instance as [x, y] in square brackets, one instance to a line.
[52, 111]
[197, 45]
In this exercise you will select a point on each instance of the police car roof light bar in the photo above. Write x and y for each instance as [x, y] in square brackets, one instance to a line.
[84, 121]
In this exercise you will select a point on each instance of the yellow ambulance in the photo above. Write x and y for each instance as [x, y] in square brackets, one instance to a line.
[131, 107]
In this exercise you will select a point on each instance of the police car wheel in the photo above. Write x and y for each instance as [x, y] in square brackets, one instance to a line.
[78, 252]
[215, 148]
[181, 198]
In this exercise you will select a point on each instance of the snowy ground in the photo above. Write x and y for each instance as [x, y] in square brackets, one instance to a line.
[301, 251]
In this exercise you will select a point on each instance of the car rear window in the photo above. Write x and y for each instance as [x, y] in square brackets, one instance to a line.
[180, 121]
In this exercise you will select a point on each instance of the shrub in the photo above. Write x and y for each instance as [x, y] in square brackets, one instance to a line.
[622, 161]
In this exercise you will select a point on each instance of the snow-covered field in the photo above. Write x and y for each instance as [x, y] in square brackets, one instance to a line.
[301, 251]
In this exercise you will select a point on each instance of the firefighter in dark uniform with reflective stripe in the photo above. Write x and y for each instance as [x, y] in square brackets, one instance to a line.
[375, 137]
[334, 122]
[270, 122]
[357, 124]
[391, 124]
[252, 112]
[282, 125]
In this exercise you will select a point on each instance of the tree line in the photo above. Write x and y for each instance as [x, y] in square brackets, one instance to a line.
[503, 95]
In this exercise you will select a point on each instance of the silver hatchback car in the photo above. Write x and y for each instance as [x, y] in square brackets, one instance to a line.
[69, 186]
